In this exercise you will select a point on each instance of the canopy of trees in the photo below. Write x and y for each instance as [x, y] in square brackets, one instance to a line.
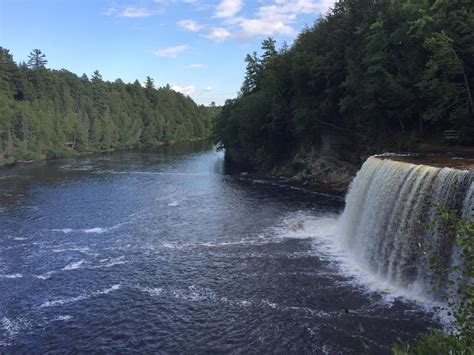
[49, 113]
[387, 74]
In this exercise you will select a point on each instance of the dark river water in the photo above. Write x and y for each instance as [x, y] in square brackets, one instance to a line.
[161, 251]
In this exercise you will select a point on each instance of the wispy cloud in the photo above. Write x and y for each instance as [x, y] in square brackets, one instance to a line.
[171, 52]
[196, 66]
[218, 34]
[144, 9]
[209, 88]
[228, 8]
[190, 25]
[187, 90]
[110, 11]
[135, 12]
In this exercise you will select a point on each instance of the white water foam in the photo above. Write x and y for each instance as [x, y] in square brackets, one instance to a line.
[97, 230]
[75, 265]
[83, 250]
[192, 293]
[323, 231]
[13, 326]
[64, 230]
[11, 276]
[62, 301]
[109, 262]
[45, 276]
[171, 245]
[195, 293]
[110, 289]
[94, 230]
[152, 291]
[103, 263]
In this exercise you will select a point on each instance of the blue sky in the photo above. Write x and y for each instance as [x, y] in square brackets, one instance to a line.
[197, 46]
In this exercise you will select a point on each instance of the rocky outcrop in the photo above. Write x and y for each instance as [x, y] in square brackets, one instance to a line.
[329, 166]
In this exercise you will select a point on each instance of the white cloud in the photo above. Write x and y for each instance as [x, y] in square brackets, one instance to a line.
[267, 27]
[187, 90]
[291, 6]
[135, 12]
[278, 17]
[228, 8]
[190, 25]
[171, 52]
[325, 5]
[209, 88]
[272, 17]
[196, 66]
[218, 34]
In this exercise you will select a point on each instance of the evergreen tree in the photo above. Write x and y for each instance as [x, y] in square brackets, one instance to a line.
[49, 113]
[382, 74]
[149, 84]
[252, 73]
[37, 60]
[269, 51]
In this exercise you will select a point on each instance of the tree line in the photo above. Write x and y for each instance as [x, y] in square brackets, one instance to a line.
[387, 74]
[48, 113]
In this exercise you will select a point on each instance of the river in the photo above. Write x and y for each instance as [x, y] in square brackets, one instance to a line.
[158, 250]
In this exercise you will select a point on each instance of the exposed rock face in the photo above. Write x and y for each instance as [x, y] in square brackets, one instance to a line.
[331, 166]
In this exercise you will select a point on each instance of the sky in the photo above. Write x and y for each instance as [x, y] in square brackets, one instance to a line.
[196, 46]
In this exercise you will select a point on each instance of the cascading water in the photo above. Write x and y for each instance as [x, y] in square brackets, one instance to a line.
[381, 227]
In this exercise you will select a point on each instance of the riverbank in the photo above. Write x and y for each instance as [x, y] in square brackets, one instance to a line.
[331, 167]
[71, 154]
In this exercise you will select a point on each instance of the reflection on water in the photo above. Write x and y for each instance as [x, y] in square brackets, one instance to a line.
[159, 250]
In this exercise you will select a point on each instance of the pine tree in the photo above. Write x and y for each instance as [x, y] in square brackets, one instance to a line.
[252, 73]
[98, 92]
[9, 74]
[269, 50]
[37, 60]
[149, 84]
[51, 113]
[284, 48]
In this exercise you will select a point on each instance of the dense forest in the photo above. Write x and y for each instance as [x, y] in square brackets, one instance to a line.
[388, 74]
[54, 113]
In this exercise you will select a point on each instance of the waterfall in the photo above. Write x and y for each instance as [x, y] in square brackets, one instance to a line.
[388, 207]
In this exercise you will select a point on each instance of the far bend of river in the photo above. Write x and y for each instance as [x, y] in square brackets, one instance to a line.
[159, 250]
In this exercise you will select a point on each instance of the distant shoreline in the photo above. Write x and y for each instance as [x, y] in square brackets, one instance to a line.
[79, 155]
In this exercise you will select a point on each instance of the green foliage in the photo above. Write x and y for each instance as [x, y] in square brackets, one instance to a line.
[252, 75]
[459, 295]
[48, 113]
[375, 71]
[37, 60]
[436, 342]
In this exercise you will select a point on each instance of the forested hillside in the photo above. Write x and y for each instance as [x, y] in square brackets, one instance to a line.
[379, 75]
[49, 113]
